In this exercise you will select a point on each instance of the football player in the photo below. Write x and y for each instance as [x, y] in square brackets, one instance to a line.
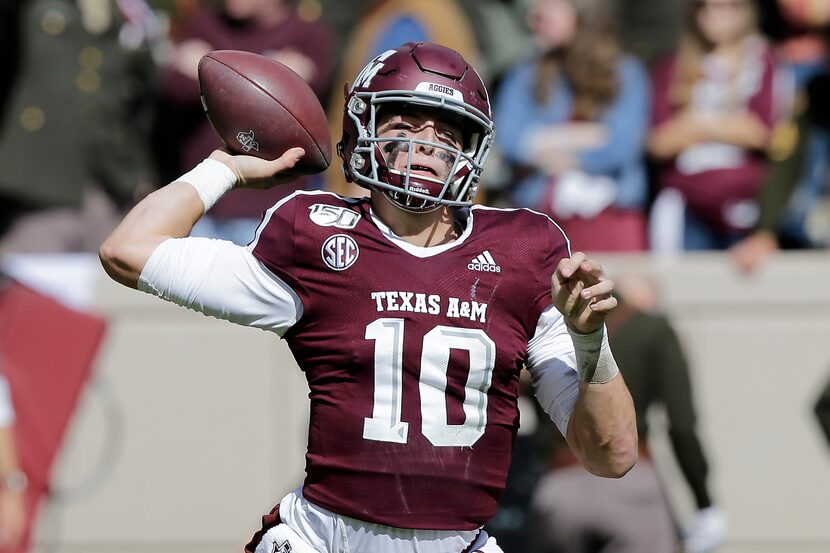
[411, 313]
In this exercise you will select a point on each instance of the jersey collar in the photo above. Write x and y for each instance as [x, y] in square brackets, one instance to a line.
[465, 215]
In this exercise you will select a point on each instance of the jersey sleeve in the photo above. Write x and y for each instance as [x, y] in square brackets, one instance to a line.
[556, 248]
[276, 246]
[551, 362]
[222, 280]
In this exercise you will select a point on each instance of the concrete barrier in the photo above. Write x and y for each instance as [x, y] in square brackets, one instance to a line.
[209, 429]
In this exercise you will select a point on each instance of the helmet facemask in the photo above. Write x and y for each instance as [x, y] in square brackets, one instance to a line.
[375, 161]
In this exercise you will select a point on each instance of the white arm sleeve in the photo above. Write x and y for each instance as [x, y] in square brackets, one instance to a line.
[551, 362]
[223, 280]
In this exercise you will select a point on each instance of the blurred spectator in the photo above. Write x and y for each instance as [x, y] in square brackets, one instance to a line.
[716, 101]
[795, 198]
[8, 43]
[649, 28]
[782, 177]
[796, 27]
[73, 140]
[652, 360]
[13, 481]
[341, 16]
[583, 513]
[573, 122]
[501, 35]
[387, 24]
[578, 512]
[799, 41]
[822, 410]
[272, 28]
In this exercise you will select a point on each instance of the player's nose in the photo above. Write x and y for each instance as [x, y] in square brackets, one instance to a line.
[429, 134]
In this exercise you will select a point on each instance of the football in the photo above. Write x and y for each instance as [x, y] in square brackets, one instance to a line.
[262, 108]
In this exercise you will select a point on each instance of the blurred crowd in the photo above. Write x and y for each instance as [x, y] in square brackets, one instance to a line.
[638, 125]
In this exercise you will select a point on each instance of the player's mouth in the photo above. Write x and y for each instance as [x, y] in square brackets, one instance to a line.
[423, 170]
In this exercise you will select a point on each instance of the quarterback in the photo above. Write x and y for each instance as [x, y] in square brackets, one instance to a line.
[411, 313]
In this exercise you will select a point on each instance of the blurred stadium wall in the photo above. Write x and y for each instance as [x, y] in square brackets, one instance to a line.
[211, 418]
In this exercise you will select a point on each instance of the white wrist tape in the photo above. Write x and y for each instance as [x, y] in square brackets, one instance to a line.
[211, 179]
[594, 361]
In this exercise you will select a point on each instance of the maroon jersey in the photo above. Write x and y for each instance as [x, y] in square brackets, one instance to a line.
[412, 355]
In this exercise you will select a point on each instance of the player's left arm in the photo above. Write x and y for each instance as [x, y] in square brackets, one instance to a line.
[601, 430]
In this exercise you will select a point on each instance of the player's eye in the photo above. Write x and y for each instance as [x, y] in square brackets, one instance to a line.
[450, 137]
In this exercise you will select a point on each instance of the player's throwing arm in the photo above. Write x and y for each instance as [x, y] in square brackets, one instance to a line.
[265, 114]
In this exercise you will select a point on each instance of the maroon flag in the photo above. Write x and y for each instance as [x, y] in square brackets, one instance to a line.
[46, 352]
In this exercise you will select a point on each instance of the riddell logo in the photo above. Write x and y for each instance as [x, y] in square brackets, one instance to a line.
[484, 262]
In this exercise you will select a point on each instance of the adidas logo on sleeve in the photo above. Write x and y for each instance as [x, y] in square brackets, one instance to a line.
[484, 262]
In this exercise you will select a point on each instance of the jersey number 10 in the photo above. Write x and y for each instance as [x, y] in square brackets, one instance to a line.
[386, 425]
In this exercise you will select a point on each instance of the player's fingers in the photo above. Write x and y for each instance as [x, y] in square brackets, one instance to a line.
[575, 288]
[567, 267]
[602, 306]
[602, 288]
[566, 288]
[286, 160]
[590, 271]
[568, 298]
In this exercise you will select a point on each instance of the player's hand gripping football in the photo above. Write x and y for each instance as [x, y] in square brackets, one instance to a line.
[582, 293]
[254, 172]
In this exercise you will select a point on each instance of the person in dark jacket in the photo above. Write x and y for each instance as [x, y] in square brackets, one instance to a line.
[81, 97]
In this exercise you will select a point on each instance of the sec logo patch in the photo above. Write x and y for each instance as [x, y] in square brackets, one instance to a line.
[340, 252]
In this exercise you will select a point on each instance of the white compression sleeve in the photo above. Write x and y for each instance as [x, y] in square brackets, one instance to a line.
[223, 280]
[551, 361]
